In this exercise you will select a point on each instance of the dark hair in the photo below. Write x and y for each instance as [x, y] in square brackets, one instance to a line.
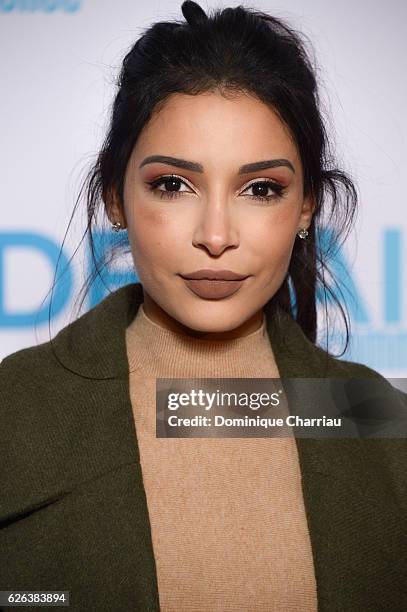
[236, 50]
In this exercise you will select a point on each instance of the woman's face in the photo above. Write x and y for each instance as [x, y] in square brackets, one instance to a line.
[231, 198]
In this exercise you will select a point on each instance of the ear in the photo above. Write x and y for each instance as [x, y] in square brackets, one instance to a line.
[307, 210]
[114, 208]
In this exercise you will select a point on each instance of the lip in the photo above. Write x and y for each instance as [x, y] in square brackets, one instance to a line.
[213, 289]
[206, 274]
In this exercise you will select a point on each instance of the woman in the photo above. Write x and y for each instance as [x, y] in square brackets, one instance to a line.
[217, 164]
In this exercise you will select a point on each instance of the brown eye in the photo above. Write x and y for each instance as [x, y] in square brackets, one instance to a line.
[172, 184]
[260, 189]
[265, 190]
[169, 186]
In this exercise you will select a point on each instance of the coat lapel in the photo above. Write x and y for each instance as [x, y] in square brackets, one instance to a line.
[352, 504]
[351, 498]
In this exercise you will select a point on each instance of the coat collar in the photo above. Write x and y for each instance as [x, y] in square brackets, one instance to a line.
[349, 496]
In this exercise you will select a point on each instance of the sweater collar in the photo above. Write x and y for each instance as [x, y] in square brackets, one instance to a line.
[94, 345]
[156, 351]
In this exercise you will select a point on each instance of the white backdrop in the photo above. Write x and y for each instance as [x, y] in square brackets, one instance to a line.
[59, 59]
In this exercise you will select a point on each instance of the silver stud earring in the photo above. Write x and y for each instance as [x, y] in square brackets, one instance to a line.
[303, 233]
[116, 226]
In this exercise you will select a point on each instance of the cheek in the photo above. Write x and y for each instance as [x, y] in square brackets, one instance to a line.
[150, 232]
[274, 238]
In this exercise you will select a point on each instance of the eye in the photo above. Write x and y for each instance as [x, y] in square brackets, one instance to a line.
[265, 190]
[172, 186]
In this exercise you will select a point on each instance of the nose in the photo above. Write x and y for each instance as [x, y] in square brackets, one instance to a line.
[216, 229]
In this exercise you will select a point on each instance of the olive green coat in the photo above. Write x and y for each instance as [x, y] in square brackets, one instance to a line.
[73, 511]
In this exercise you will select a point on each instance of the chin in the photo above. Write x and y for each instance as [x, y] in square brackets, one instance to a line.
[215, 322]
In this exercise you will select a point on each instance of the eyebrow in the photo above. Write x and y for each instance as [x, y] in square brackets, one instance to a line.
[195, 167]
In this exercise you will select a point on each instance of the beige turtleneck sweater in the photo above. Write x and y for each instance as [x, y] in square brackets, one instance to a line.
[227, 516]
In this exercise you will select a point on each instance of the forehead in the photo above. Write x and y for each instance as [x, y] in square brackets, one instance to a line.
[210, 124]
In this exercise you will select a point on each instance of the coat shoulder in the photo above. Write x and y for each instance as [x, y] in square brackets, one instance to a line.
[342, 368]
[33, 355]
[60, 430]
[29, 371]
[356, 369]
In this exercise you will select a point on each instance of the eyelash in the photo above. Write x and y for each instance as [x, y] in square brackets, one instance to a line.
[277, 187]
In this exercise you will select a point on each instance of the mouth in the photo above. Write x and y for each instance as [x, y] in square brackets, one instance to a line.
[210, 274]
[213, 289]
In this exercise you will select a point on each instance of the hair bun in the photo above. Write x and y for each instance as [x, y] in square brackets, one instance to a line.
[193, 13]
